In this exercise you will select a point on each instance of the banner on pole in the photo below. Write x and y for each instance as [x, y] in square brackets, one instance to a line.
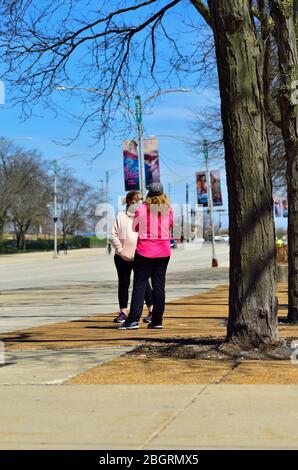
[285, 208]
[202, 190]
[131, 165]
[216, 188]
[151, 159]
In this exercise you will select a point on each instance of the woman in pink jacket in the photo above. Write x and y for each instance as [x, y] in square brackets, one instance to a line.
[124, 241]
[153, 221]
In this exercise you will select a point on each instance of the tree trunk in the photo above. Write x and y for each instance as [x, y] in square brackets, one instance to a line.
[17, 234]
[19, 239]
[20, 232]
[283, 16]
[64, 237]
[252, 297]
[1, 231]
[22, 241]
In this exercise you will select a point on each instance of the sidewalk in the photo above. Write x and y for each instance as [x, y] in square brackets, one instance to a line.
[149, 417]
[83, 385]
[201, 318]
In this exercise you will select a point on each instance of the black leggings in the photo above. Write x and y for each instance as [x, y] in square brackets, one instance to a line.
[145, 268]
[124, 269]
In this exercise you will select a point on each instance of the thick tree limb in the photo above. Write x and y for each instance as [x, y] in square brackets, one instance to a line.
[203, 10]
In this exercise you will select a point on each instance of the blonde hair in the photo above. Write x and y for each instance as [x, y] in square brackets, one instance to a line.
[162, 202]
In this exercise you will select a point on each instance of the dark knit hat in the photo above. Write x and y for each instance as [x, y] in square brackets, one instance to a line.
[155, 189]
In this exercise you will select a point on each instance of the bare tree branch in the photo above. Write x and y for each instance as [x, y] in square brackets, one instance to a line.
[123, 50]
[203, 10]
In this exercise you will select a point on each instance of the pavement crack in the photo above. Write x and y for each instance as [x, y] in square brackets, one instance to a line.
[234, 366]
[172, 418]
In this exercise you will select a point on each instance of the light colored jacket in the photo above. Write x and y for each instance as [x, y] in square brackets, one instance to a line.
[124, 239]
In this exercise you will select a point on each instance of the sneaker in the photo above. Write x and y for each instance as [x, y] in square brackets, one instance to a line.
[148, 319]
[121, 318]
[129, 325]
[154, 326]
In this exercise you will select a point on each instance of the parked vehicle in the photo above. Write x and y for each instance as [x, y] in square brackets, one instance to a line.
[173, 243]
[222, 238]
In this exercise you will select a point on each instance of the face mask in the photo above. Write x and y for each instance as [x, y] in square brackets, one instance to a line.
[134, 207]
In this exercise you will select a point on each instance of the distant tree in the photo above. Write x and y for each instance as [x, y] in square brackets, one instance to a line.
[76, 202]
[28, 207]
[18, 170]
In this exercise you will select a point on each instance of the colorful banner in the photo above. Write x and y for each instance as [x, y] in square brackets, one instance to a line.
[131, 165]
[215, 188]
[285, 208]
[151, 158]
[277, 208]
[202, 188]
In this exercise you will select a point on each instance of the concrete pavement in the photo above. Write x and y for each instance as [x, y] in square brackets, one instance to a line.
[48, 367]
[70, 385]
[149, 417]
[36, 289]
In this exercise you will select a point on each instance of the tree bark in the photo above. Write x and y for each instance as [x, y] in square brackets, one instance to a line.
[64, 237]
[283, 16]
[20, 238]
[1, 231]
[252, 296]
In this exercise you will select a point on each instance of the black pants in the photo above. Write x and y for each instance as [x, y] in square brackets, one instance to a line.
[124, 269]
[144, 268]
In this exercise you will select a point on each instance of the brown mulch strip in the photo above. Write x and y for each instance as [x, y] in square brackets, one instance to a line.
[210, 348]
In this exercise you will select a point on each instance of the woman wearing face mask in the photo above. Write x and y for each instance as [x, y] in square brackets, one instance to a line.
[153, 221]
[124, 241]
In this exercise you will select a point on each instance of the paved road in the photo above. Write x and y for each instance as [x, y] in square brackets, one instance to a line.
[34, 270]
[37, 289]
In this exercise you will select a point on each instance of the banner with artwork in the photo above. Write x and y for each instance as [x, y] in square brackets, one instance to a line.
[202, 191]
[151, 158]
[216, 188]
[277, 207]
[131, 165]
[285, 208]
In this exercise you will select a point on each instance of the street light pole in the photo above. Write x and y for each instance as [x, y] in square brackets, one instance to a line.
[187, 214]
[102, 191]
[138, 104]
[138, 115]
[210, 200]
[55, 218]
[107, 201]
[107, 186]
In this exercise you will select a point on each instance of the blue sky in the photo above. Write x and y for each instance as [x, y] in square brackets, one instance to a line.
[169, 119]
[171, 115]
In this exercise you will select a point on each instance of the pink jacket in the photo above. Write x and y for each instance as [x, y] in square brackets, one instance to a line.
[124, 239]
[154, 232]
